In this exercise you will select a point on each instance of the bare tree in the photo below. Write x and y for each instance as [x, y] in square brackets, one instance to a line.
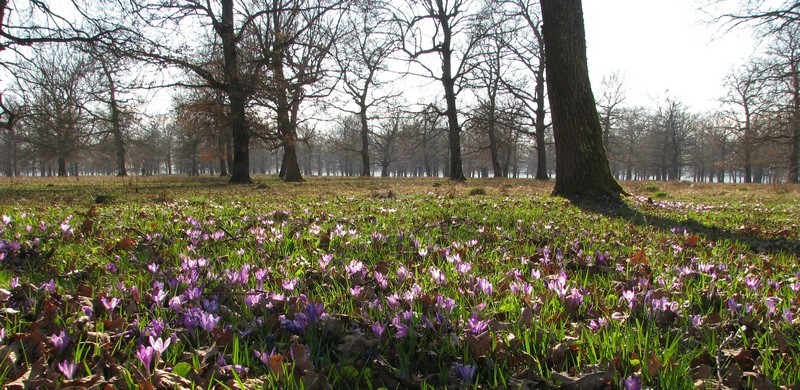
[361, 57]
[771, 16]
[211, 35]
[745, 99]
[295, 44]
[612, 96]
[527, 44]
[26, 23]
[11, 111]
[582, 168]
[434, 27]
[57, 87]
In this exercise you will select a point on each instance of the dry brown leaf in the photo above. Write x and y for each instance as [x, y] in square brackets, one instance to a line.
[637, 258]
[702, 371]
[300, 357]
[479, 345]
[166, 380]
[354, 344]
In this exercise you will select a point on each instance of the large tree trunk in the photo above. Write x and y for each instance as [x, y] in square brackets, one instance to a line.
[240, 133]
[582, 168]
[62, 166]
[541, 112]
[221, 153]
[456, 171]
[366, 169]
[116, 121]
[794, 147]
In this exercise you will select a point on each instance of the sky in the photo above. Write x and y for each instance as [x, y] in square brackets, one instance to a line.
[662, 48]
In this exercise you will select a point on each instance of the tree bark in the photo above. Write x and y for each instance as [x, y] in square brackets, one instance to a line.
[540, 126]
[240, 171]
[582, 168]
[116, 121]
[221, 150]
[366, 169]
[794, 140]
[448, 82]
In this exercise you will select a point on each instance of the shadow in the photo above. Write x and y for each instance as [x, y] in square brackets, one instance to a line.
[752, 240]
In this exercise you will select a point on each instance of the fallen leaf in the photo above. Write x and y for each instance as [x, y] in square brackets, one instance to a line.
[354, 344]
[638, 258]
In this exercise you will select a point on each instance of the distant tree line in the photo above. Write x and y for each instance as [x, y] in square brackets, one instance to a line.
[331, 87]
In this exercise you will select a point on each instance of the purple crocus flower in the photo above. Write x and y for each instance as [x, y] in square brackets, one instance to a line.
[630, 297]
[193, 293]
[378, 329]
[463, 267]
[49, 286]
[383, 281]
[484, 286]
[156, 327]
[354, 267]
[772, 303]
[633, 382]
[355, 291]
[751, 282]
[733, 306]
[290, 284]
[60, 341]
[437, 275]
[402, 328]
[402, 274]
[465, 372]
[159, 345]
[788, 316]
[175, 303]
[145, 355]
[696, 320]
[68, 368]
[208, 321]
[252, 299]
[325, 260]
[476, 326]
[445, 303]
[313, 312]
[109, 303]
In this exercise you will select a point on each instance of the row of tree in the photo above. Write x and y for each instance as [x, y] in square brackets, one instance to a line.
[316, 82]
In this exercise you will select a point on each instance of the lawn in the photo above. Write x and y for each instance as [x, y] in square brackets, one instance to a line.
[353, 283]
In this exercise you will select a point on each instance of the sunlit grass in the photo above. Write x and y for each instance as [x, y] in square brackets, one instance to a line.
[437, 285]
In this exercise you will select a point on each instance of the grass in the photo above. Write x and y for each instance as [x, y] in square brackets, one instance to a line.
[396, 284]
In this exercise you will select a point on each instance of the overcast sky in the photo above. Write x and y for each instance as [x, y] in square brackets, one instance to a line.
[660, 46]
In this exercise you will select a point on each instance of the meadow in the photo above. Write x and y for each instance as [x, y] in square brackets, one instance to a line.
[421, 284]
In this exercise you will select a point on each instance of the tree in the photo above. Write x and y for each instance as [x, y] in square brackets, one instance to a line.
[361, 57]
[113, 68]
[612, 95]
[447, 20]
[57, 87]
[528, 47]
[26, 23]
[582, 168]
[295, 44]
[746, 101]
[673, 131]
[223, 26]
[11, 111]
[769, 15]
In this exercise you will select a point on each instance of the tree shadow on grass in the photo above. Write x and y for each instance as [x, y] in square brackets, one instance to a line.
[752, 239]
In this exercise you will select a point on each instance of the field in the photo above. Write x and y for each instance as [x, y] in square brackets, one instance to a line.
[352, 283]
